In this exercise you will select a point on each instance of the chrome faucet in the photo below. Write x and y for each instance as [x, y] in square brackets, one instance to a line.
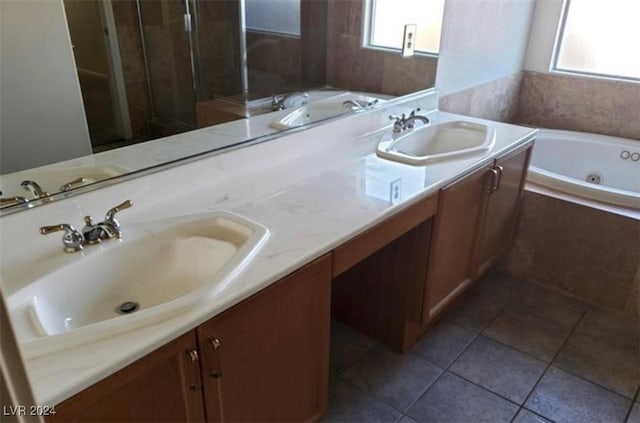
[74, 240]
[35, 189]
[359, 105]
[404, 122]
[278, 104]
[107, 229]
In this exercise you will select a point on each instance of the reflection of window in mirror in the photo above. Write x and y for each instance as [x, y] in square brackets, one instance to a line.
[275, 16]
[384, 22]
[599, 38]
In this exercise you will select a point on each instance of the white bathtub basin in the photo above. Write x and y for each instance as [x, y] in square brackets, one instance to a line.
[444, 141]
[171, 266]
[588, 165]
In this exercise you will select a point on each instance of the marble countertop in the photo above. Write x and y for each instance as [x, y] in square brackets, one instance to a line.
[317, 188]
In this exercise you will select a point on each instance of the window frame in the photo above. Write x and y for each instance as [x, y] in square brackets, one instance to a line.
[367, 31]
[557, 45]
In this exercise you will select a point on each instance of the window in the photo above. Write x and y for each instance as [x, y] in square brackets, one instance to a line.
[273, 16]
[599, 38]
[384, 22]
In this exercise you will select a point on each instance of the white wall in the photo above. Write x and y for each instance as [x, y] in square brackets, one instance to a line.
[482, 40]
[41, 113]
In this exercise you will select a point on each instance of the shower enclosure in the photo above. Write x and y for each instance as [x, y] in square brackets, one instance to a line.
[191, 52]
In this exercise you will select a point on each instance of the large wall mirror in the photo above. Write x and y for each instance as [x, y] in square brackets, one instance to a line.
[95, 89]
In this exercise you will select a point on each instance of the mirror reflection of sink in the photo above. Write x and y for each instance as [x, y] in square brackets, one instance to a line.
[443, 141]
[53, 178]
[318, 110]
[166, 267]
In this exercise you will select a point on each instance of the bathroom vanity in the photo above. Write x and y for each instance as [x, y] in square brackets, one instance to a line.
[383, 246]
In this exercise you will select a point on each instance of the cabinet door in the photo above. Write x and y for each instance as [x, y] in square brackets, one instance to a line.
[452, 242]
[501, 215]
[164, 386]
[267, 359]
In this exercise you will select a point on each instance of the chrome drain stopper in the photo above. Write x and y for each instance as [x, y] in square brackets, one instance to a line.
[128, 307]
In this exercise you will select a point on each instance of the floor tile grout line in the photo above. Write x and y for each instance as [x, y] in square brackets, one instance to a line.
[471, 341]
[553, 359]
[636, 398]
[444, 370]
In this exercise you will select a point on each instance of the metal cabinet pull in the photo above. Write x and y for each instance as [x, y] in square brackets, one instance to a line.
[491, 186]
[216, 374]
[194, 358]
[499, 179]
[215, 343]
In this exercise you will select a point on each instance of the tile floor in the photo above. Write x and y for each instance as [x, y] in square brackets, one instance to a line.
[510, 352]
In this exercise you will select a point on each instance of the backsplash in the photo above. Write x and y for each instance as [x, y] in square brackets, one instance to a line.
[580, 104]
[494, 100]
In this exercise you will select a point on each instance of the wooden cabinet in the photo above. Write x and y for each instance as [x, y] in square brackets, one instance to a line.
[500, 217]
[164, 386]
[379, 277]
[267, 358]
[453, 240]
[475, 224]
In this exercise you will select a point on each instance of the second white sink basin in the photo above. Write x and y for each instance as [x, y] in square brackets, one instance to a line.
[171, 266]
[442, 141]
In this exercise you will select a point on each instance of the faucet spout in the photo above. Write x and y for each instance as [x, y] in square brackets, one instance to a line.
[278, 104]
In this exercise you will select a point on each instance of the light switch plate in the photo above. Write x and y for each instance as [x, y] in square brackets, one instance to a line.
[409, 40]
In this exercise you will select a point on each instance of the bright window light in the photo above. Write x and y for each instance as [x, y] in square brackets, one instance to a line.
[600, 38]
[387, 19]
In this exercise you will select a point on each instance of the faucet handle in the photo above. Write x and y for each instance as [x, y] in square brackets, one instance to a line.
[398, 125]
[413, 112]
[76, 182]
[72, 239]
[112, 211]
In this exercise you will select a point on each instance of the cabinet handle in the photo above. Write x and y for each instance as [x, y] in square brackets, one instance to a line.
[216, 374]
[194, 358]
[491, 186]
[215, 343]
[499, 179]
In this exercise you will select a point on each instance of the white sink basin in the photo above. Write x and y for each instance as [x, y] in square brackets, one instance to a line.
[165, 267]
[318, 110]
[53, 177]
[449, 140]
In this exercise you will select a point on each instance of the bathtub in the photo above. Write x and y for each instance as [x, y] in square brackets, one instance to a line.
[596, 167]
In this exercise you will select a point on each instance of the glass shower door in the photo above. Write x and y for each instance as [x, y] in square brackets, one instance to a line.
[167, 27]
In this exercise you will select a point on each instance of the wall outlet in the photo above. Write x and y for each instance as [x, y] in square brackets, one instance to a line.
[395, 191]
[409, 40]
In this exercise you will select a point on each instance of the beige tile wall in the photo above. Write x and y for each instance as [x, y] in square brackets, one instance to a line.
[494, 100]
[580, 104]
[584, 252]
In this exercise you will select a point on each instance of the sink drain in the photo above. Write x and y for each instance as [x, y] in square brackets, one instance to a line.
[594, 178]
[127, 307]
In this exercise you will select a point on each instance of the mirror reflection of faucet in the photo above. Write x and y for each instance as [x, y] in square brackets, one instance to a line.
[359, 105]
[288, 100]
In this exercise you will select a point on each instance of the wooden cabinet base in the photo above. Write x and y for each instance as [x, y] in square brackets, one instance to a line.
[164, 386]
[380, 295]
